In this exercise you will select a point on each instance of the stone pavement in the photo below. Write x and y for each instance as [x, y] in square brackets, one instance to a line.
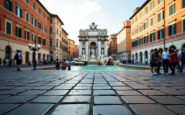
[91, 93]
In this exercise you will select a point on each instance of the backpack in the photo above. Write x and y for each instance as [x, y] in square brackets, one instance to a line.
[183, 56]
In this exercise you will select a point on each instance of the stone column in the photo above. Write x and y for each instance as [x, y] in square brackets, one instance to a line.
[99, 48]
[80, 48]
[105, 47]
[86, 47]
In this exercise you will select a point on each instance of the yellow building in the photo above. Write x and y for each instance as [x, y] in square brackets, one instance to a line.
[71, 48]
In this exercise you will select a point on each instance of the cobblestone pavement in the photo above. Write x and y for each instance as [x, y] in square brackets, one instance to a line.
[91, 93]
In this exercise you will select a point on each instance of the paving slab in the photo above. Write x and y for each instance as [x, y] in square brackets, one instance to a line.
[56, 92]
[76, 99]
[80, 92]
[182, 97]
[106, 100]
[150, 109]
[152, 92]
[132, 92]
[137, 99]
[122, 88]
[73, 109]
[33, 92]
[168, 100]
[17, 99]
[47, 99]
[31, 109]
[111, 110]
[104, 92]
[180, 109]
[6, 107]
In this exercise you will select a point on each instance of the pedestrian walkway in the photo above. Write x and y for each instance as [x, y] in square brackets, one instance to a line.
[91, 93]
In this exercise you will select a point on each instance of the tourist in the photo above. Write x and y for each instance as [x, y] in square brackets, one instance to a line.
[57, 64]
[64, 65]
[159, 61]
[18, 58]
[165, 60]
[10, 62]
[0, 61]
[173, 60]
[4, 61]
[146, 61]
[153, 63]
[178, 60]
[182, 58]
[69, 64]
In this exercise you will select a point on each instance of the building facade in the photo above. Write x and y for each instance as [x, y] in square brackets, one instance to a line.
[157, 24]
[76, 51]
[23, 22]
[93, 43]
[56, 38]
[112, 46]
[124, 42]
[64, 44]
[71, 48]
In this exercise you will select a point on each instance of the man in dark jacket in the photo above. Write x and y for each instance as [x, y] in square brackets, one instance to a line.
[18, 58]
[182, 59]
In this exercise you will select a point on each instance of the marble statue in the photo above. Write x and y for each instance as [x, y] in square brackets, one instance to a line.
[92, 53]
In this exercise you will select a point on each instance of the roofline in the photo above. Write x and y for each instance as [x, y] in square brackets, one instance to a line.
[65, 31]
[71, 40]
[144, 4]
[54, 15]
[44, 7]
[124, 28]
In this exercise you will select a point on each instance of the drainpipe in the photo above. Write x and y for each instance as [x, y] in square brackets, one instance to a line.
[164, 15]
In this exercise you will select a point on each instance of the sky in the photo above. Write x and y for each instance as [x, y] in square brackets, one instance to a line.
[79, 14]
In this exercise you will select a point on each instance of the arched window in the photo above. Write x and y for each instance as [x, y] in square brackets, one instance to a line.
[146, 54]
[8, 52]
[141, 57]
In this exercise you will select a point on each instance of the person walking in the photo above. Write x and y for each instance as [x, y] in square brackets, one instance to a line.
[146, 61]
[165, 60]
[173, 60]
[159, 62]
[178, 60]
[4, 62]
[182, 58]
[57, 64]
[18, 58]
[153, 60]
[10, 62]
[69, 64]
[64, 65]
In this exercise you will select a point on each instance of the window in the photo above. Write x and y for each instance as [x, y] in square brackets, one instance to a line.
[8, 5]
[56, 43]
[18, 31]
[43, 42]
[159, 1]
[171, 9]
[44, 28]
[152, 37]
[140, 15]
[34, 5]
[160, 34]
[145, 39]
[183, 23]
[51, 30]
[27, 1]
[140, 41]
[26, 35]
[39, 25]
[27, 17]
[18, 11]
[34, 21]
[145, 25]
[44, 15]
[152, 21]
[146, 10]
[8, 28]
[183, 3]
[39, 10]
[51, 43]
[39, 40]
[33, 37]
[171, 29]
[160, 16]
[151, 5]
[140, 28]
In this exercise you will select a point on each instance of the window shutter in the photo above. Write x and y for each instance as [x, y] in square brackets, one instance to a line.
[21, 13]
[169, 34]
[154, 36]
[5, 4]
[28, 35]
[174, 29]
[16, 10]
[10, 6]
[20, 32]
[150, 37]
[25, 35]
[163, 33]
[158, 34]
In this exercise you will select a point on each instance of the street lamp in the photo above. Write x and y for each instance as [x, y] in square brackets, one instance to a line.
[34, 47]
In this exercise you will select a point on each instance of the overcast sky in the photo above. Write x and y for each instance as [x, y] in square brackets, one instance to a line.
[79, 14]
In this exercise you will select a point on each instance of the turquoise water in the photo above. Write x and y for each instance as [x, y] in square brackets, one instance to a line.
[109, 68]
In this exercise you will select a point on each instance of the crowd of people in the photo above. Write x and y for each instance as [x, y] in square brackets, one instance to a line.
[64, 63]
[168, 59]
[7, 62]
